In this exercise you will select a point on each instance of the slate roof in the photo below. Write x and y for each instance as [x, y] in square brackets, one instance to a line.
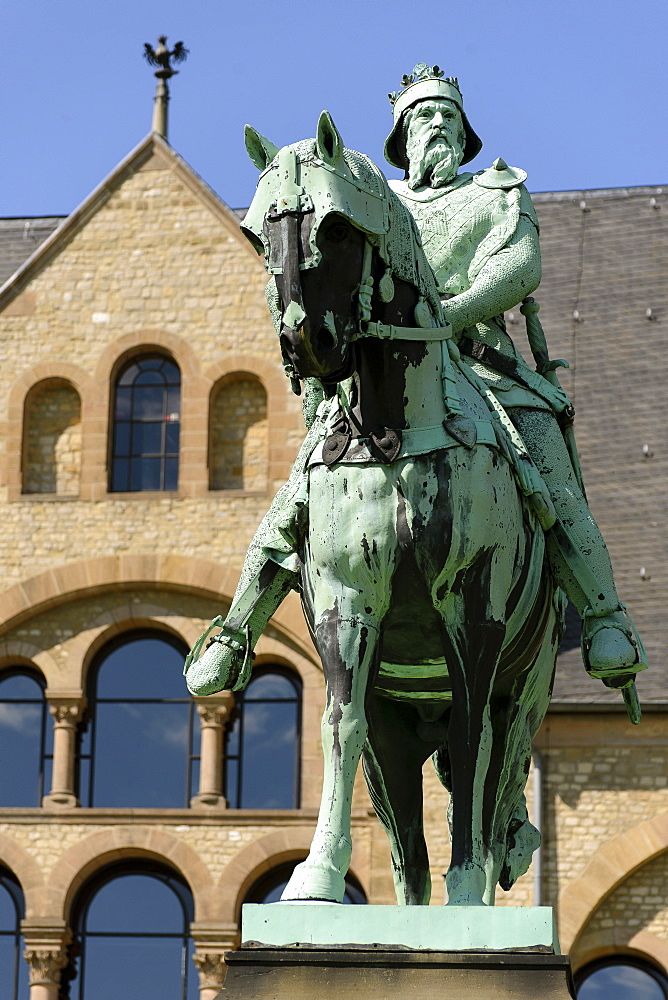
[605, 264]
[19, 238]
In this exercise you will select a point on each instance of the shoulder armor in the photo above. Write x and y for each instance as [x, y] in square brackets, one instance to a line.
[500, 175]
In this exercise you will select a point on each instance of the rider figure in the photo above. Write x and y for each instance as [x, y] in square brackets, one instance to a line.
[480, 235]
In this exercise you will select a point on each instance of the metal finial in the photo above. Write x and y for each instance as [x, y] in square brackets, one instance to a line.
[162, 57]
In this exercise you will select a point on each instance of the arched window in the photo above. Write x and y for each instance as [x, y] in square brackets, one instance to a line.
[263, 744]
[13, 970]
[52, 439]
[147, 420]
[26, 739]
[269, 887]
[140, 747]
[131, 925]
[238, 435]
[621, 977]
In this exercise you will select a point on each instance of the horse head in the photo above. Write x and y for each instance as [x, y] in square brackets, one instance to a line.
[322, 216]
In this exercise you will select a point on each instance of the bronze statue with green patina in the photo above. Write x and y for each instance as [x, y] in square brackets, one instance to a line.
[434, 509]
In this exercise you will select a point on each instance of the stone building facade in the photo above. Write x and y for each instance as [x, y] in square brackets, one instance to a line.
[153, 266]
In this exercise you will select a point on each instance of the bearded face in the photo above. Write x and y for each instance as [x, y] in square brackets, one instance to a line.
[435, 140]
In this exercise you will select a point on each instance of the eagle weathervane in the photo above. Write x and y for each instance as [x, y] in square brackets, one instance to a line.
[162, 57]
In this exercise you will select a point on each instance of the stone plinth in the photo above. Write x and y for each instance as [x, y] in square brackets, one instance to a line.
[437, 928]
[308, 950]
[301, 973]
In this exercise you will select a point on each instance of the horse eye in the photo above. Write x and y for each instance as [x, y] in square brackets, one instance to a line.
[338, 233]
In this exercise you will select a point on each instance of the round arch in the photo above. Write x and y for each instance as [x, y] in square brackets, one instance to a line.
[118, 629]
[612, 863]
[208, 579]
[622, 941]
[25, 654]
[48, 371]
[27, 872]
[135, 843]
[144, 341]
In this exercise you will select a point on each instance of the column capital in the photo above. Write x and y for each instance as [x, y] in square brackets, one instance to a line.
[214, 709]
[212, 941]
[46, 950]
[67, 708]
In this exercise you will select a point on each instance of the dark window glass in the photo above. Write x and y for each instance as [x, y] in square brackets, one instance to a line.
[268, 889]
[26, 739]
[13, 970]
[621, 977]
[141, 744]
[262, 747]
[132, 937]
[145, 440]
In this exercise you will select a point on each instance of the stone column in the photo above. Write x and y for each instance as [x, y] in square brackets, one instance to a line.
[66, 712]
[46, 953]
[212, 940]
[213, 711]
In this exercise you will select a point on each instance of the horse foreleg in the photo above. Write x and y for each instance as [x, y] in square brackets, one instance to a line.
[349, 651]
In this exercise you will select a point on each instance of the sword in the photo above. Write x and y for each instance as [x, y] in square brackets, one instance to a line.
[548, 369]
[632, 702]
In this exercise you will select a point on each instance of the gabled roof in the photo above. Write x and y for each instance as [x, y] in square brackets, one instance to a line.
[153, 146]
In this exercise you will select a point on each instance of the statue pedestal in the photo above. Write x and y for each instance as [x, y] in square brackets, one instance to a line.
[384, 974]
[436, 928]
[406, 953]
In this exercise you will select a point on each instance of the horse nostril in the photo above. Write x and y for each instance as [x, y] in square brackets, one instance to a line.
[325, 340]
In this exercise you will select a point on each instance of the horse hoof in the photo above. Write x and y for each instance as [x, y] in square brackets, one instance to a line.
[315, 882]
[216, 670]
[466, 885]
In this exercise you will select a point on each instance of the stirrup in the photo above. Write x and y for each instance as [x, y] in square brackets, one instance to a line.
[239, 641]
[593, 623]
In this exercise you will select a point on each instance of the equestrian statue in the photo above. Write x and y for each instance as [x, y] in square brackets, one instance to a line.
[435, 520]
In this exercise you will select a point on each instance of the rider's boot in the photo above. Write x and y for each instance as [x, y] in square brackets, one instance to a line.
[611, 647]
[227, 659]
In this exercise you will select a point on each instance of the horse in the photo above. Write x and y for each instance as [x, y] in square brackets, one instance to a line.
[421, 548]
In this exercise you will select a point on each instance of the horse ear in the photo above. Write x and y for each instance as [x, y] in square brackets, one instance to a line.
[328, 139]
[260, 149]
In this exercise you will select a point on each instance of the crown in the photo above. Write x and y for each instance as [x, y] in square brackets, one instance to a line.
[422, 72]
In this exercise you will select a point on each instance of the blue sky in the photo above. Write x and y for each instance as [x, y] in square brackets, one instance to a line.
[574, 91]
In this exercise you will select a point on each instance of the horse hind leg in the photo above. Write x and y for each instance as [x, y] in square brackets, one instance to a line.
[516, 838]
[472, 659]
[517, 843]
[392, 761]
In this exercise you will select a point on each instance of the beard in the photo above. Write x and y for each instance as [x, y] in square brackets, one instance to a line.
[433, 161]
